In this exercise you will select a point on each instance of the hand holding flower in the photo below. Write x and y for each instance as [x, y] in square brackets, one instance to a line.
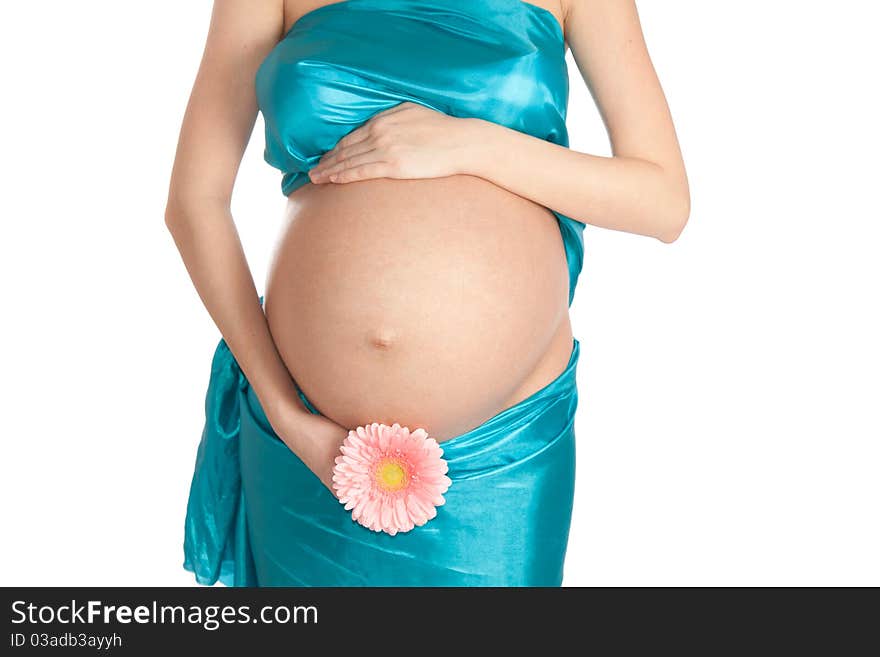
[313, 438]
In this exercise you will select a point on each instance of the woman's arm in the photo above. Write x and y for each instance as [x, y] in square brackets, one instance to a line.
[217, 125]
[641, 189]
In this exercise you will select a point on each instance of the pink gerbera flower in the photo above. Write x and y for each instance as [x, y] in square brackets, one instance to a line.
[390, 478]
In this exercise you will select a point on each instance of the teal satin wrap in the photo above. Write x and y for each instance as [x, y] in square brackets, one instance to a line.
[256, 515]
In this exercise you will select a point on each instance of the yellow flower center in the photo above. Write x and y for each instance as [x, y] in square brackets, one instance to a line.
[391, 475]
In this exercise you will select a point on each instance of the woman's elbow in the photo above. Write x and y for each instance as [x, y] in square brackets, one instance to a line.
[172, 218]
[175, 212]
[181, 210]
[676, 217]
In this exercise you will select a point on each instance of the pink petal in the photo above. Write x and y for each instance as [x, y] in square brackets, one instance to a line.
[370, 516]
[401, 517]
[417, 512]
[360, 508]
[385, 516]
[384, 438]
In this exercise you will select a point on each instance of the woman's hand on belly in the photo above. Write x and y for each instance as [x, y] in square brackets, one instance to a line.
[313, 438]
[407, 141]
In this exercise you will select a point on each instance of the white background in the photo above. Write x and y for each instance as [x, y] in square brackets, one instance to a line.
[728, 429]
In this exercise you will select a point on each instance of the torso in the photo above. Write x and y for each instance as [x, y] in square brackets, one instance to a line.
[433, 303]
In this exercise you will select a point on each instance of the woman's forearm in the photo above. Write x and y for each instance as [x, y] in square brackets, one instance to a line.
[627, 194]
[208, 242]
[212, 253]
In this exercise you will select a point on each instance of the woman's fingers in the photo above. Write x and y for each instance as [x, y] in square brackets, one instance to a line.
[327, 173]
[335, 157]
[363, 172]
[364, 132]
[355, 136]
[393, 110]
[370, 151]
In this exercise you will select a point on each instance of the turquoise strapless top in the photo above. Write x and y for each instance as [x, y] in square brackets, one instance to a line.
[498, 60]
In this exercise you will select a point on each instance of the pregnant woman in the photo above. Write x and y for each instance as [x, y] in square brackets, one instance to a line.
[433, 238]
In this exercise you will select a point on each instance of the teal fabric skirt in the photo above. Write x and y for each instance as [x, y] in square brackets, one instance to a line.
[256, 516]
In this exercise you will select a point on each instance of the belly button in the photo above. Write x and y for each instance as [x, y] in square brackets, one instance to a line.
[382, 339]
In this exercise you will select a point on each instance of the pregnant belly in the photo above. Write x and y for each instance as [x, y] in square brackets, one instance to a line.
[433, 303]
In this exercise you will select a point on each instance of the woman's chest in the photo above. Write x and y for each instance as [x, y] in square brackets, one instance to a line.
[341, 63]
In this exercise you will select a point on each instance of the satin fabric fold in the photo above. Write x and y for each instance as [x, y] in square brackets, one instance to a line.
[258, 517]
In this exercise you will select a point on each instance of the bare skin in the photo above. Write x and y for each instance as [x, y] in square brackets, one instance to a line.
[434, 303]
[399, 159]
